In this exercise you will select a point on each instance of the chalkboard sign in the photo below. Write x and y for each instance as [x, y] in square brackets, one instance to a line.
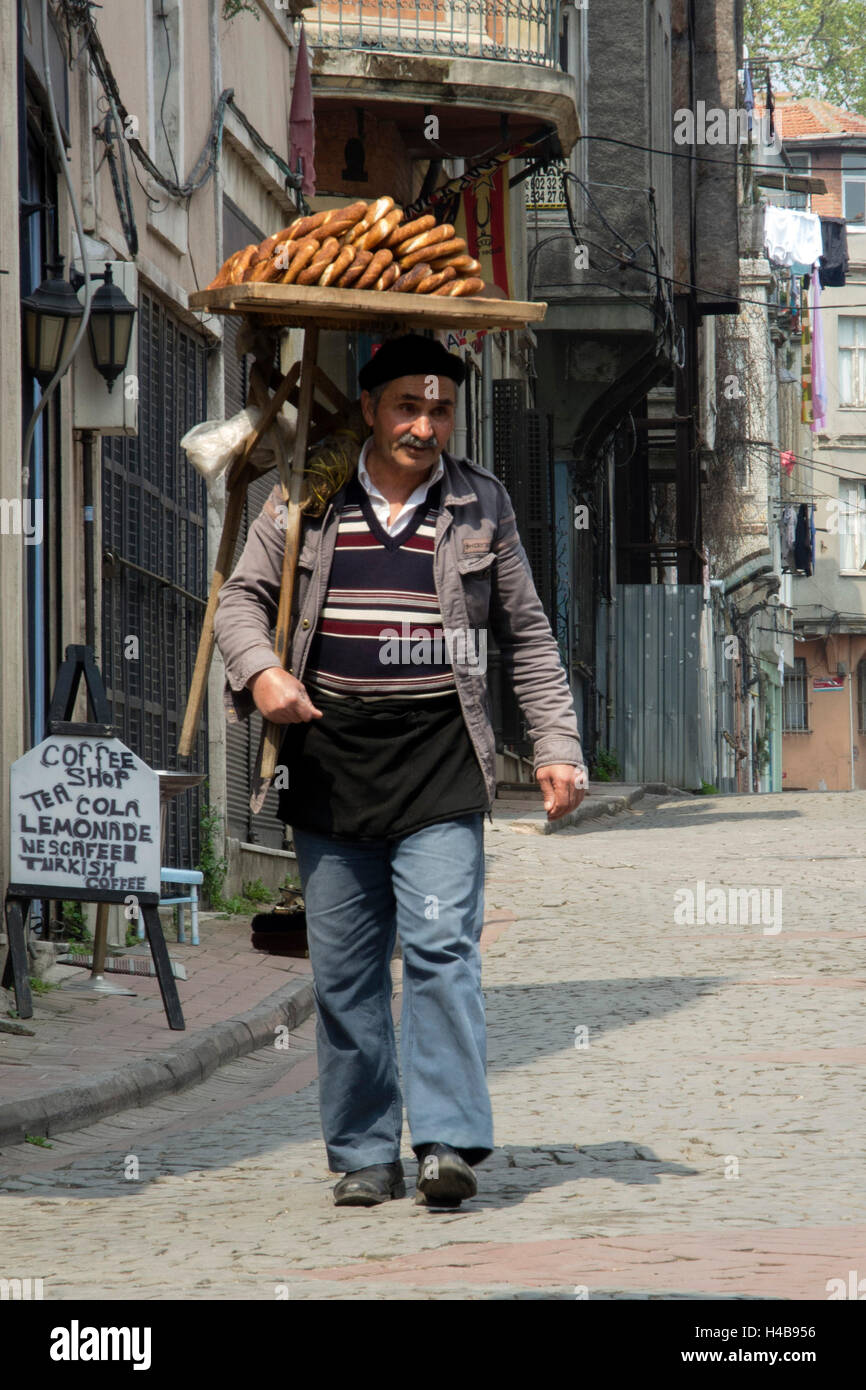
[84, 817]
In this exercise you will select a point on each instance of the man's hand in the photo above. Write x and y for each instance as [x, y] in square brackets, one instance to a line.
[281, 698]
[563, 786]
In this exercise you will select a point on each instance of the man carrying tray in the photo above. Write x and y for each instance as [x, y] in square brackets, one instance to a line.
[391, 764]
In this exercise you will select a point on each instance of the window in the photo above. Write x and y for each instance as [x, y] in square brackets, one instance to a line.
[852, 526]
[861, 696]
[800, 165]
[852, 360]
[854, 188]
[795, 699]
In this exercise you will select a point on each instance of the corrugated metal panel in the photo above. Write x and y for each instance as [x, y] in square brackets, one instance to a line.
[659, 705]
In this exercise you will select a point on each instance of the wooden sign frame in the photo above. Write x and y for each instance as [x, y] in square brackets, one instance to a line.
[19, 896]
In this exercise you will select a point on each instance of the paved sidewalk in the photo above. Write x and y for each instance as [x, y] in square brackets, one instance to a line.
[82, 1057]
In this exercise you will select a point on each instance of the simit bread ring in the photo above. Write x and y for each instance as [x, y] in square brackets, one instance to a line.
[459, 288]
[411, 279]
[403, 233]
[327, 253]
[388, 276]
[303, 227]
[353, 213]
[464, 265]
[380, 260]
[431, 282]
[304, 254]
[377, 210]
[275, 265]
[224, 274]
[341, 262]
[380, 231]
[240, 266]
[444, 248]
[356, 269]
[427, 240]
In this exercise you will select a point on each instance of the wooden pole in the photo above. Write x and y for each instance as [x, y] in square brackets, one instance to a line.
[237, 484]
[273, 733]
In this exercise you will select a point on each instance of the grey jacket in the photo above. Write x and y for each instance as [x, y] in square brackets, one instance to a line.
[483, 581]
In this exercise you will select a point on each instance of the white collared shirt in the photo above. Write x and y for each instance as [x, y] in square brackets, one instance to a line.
[381, 506]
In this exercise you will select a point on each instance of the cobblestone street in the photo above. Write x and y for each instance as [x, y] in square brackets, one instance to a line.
[678, 1105]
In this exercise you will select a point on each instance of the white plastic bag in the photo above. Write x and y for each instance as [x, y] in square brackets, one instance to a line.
[214, 444]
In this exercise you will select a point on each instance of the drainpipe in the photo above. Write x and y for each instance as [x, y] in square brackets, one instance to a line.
[89, 567]
[487, 402]
[851, 720]
[611, 612]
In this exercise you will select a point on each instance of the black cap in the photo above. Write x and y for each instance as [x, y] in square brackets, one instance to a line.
[410, 355]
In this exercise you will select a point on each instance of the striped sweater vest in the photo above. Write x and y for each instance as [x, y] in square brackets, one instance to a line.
[379, 633]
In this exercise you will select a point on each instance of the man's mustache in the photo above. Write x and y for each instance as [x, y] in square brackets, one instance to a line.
[412, 441]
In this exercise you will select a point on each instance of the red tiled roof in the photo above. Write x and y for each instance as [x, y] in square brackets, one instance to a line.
[798, 120]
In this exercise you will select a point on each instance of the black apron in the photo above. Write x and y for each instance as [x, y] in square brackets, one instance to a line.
[380, 769]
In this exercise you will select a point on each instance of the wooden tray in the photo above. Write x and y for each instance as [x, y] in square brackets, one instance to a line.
[296, 306]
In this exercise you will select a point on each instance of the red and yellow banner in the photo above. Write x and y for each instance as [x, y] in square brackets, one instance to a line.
[483, 222]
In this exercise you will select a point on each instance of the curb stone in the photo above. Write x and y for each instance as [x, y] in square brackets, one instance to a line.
[176, 1069]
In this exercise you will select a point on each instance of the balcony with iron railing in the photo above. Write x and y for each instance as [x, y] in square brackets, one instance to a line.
[512, 31]
[468, 55]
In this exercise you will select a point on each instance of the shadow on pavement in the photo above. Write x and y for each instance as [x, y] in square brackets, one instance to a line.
[516, 1013]
[515, 1172]
[678, 814]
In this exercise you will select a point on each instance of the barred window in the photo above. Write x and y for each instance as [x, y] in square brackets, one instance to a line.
[795, 699]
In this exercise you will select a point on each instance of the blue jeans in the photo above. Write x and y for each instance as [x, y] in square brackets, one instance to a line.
[358, 894]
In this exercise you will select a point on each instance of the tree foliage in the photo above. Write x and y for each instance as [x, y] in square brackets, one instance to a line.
[815, 47]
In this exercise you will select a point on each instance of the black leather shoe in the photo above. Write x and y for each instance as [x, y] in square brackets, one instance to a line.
[367, 1187]
[444, 1178]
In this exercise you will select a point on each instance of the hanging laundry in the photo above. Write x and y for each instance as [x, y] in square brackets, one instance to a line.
[833, 266]
[787, 459]
[792, 238]
[302, 131]
[749, 91]
[812, 536]
[806, 357]
[803, 541]
[770, 108]
[819, 390]
[788, 532]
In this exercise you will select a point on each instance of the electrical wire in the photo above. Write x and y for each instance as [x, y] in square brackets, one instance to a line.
[162, 16]
[208, 160]
[707, 159]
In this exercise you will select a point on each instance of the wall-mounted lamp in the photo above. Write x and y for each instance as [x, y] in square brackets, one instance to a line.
[109, 328]
[51, 317]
